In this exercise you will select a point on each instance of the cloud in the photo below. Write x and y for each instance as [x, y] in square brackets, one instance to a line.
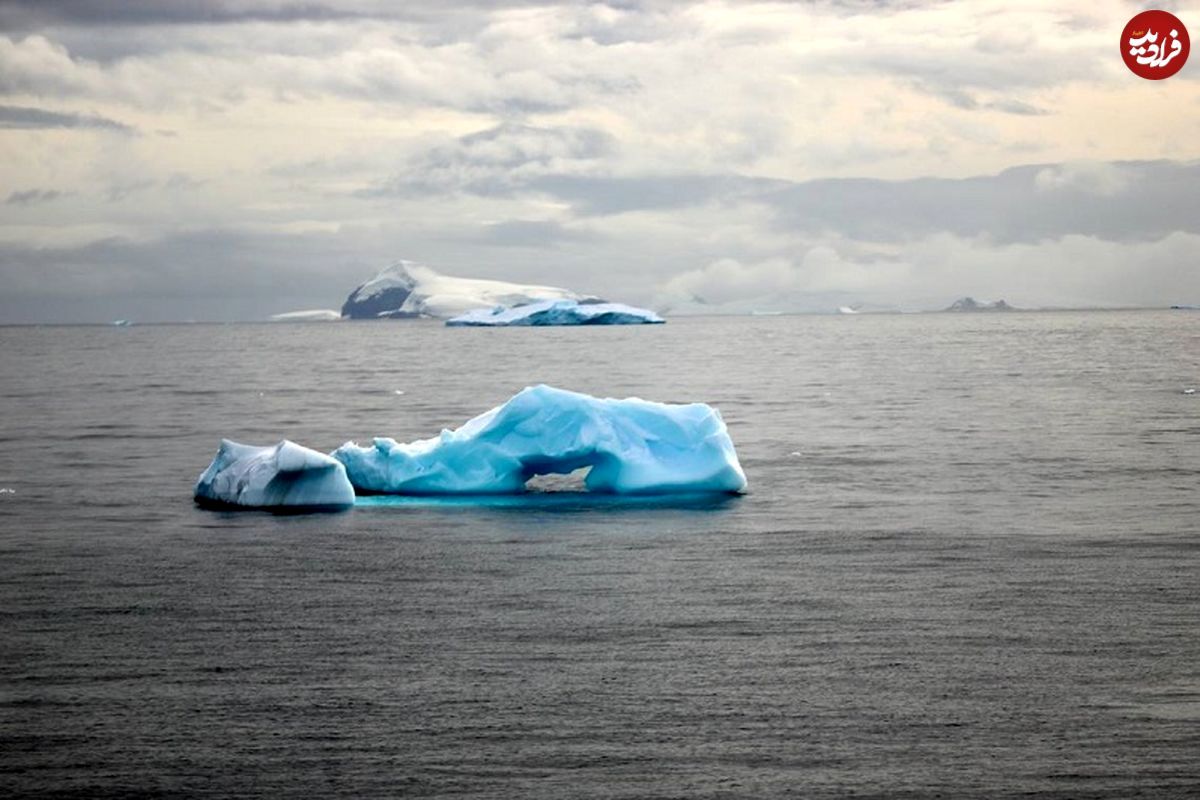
[498, 159]
[532, 233]
[26, 14]
[33, 196]
[1116, 201]
[120, 190]
[1122, 201]
[728, 280]
[815, 278]
[624, 148]
[38, 66]
[1087, 177]
[614, 195]
[508, 69]
[1017, 107]
[928, 274]
[25, 118]
[210, 273]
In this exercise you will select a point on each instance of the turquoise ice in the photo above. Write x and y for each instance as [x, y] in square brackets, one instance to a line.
[556, 312]
[631, 446]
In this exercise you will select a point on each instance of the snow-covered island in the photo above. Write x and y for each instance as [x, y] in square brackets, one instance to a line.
[971, 304]
[557, 312]
[408, 289]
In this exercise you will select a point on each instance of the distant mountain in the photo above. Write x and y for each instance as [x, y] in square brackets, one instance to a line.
[971, 304]
[408, 289]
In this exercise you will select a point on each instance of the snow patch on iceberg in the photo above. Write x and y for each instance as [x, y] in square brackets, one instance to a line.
[557, 312]
[632, 446]
[285, 475]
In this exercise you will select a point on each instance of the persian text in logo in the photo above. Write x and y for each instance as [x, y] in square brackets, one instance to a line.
[1155, 45]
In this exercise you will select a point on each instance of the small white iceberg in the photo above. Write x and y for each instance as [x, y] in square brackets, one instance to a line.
[283, 476]
[557, 312]
[308, 315]
[631, 446]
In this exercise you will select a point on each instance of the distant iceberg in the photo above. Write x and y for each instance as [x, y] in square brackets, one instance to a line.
[408, 289]
[283, 476]
[557, 312]
[632, 446]
[970, 304]
[308, 315]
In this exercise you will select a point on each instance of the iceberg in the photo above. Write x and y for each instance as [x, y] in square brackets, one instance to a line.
[308, 315]
[408, 289]
[557, 312]
[970, 304]
[283, 476]
[631, 446]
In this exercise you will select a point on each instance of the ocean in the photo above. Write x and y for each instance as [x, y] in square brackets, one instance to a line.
[966, 567]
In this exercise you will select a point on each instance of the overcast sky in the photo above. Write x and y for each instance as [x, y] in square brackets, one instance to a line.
[231, 160]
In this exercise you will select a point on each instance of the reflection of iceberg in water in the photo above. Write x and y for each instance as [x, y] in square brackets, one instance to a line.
[556, 501]
[631, 446]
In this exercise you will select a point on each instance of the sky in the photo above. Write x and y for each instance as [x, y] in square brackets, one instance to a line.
[235, 159]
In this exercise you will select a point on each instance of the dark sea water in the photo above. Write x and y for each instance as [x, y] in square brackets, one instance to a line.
[968, 566]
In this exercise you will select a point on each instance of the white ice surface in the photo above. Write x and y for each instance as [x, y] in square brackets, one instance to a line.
[283, 475]
[442, 296]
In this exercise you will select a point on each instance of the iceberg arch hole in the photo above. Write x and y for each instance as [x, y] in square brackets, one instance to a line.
[552, 482]
[565, 473]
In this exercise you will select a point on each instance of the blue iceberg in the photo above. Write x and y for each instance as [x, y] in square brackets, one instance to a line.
[632, 446]
[557, 312]
[283, 476]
